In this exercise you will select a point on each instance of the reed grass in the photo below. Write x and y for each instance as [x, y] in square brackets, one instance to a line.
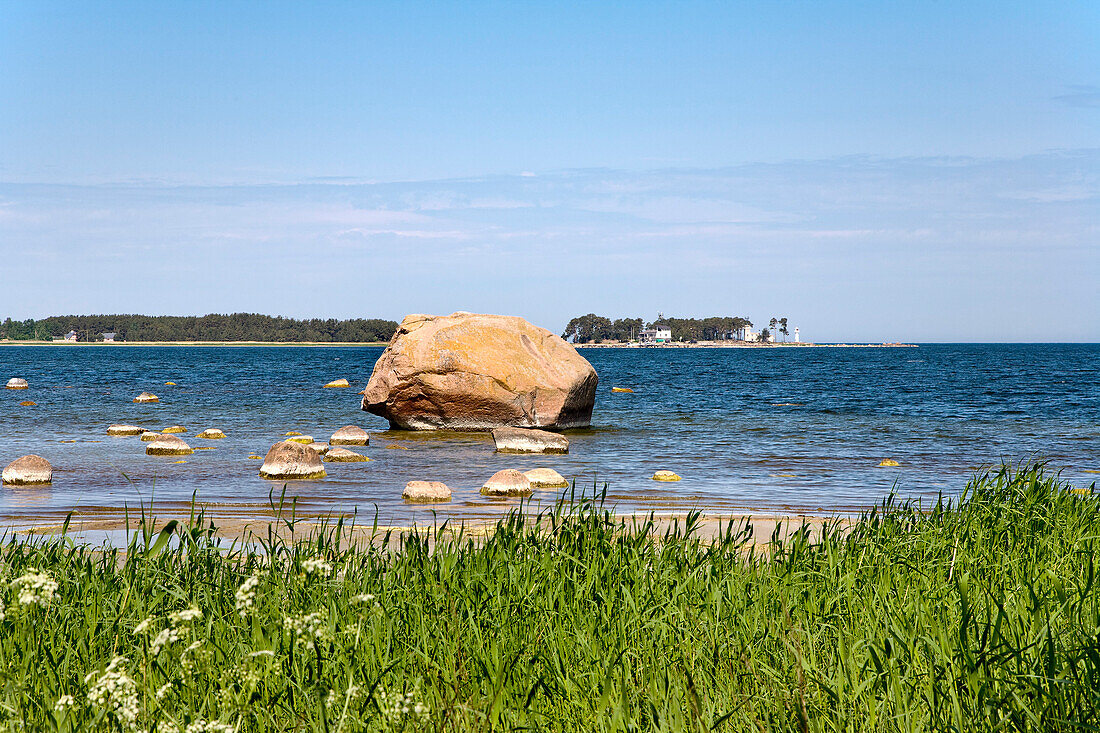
[979, 614]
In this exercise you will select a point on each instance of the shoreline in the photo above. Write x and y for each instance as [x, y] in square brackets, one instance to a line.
[745, 345]
[192, 343]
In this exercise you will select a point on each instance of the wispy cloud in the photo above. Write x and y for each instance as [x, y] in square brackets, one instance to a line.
[1080, 95]
[850, 240]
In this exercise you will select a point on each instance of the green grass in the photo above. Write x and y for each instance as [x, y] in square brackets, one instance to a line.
[982, 615]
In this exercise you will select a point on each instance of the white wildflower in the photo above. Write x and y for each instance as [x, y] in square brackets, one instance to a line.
[308, 629]
[3, 611]
[185, 616]
[64, 703]
[261, 653]
[164, 691]
[144, 626]
[208, 726]
[115, 692]
[363, 599]
[396, 708]
[246, 595]
[35, 588]
[166, 637]
[316, 565]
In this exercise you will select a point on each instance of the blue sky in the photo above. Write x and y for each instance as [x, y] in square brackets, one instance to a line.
[873, 171]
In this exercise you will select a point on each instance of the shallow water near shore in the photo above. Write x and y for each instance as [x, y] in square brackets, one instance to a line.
[771, 430]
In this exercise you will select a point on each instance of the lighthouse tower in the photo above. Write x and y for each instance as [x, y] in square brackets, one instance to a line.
[796, 334]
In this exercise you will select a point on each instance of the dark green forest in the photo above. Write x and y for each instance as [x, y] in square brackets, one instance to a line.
[212, 327]
[593, 328]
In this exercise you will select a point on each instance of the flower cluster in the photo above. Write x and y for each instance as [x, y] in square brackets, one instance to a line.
[115, 692]
[316, 565]
[246, 595]
[64, 703]
[396, 708]
[35, 588]
[208, 726]
[308, 629]
[171, 633]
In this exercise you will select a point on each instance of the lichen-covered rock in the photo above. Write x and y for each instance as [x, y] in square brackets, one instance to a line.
[321, 448]
[546, 478]
[426, 491]
[16, 383]
[468, 371]
[211, 434]
[299, 438]
[149, 436]
[146, 397]
[125, 430]
[350, 435]
[343, 455]
[888, 463]
[665, 476]
[29, 470]
[527, 440]
[287, 460]
[168, 445]
[337, 383]
[508, 482]
[174, 429]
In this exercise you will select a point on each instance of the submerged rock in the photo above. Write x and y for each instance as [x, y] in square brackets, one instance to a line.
[125, 430]
[17, 383]
[546, 478]
[337, 383]
[350, 435]
[508, 482]
[888, 463]
[174, 429]
[288, 460]
[665, 476]
[622, 390]
[299, 438]
[426, 491]
[468, 371]
[168, 445]
[147, 397]
[343, 455]
[29, 470]
[28, 403]
[211, 434]
[526, 440]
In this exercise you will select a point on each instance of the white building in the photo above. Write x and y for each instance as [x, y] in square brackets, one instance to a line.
[659, 334]
[796, 334]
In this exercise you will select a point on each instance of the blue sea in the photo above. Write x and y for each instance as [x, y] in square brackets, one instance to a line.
[779, 430]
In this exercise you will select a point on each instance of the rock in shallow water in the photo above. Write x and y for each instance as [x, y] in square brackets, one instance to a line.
[287, 460]
[337, 383]
[168, 445]
[125, 430]
[665, 476]
[149, 436]
[546, 478]
[526, 440]
[468, 371]
[508, 482]
[888, 463]
[17, 383]
[343, 455]
[299, 438]
[350, 435]
[147, 397]
[211, 434]
[29, 470]
[175, 429]
[426, 491]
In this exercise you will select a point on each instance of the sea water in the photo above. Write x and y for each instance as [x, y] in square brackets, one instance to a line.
[787, 430]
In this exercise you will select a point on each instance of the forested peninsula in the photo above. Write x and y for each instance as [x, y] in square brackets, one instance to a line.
[212, 327]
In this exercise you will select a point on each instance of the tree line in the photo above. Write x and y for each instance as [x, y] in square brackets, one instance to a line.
[212, 327]
[593, 328]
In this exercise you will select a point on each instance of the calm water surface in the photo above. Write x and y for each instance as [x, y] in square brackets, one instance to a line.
[766, 429]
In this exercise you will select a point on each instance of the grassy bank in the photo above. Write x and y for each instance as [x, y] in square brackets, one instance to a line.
[980, 616]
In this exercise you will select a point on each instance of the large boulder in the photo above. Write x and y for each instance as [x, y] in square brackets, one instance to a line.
[426, 491]
[29, 470]
[168, 445]
[350, 435]
[468, 371]
[508, 482]
[287, 460]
